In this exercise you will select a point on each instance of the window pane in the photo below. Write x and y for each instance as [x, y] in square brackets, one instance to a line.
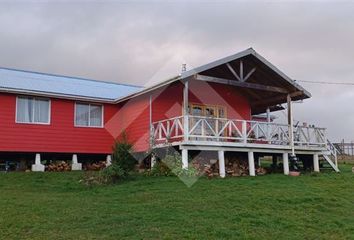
[96, 115]
[221, 112]
[197, 111]
[82, 114]
[24, 109]
[41, 111]
[210, 112]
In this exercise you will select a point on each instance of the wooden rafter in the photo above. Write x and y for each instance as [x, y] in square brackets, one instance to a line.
[233, 71]
[241, 84]
[240, 77]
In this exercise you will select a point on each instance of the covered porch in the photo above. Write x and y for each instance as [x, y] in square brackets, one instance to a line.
[265, 89]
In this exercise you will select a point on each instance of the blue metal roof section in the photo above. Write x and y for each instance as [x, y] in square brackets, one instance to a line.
[29, 81]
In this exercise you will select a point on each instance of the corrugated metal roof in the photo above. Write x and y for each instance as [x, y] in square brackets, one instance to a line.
[20, 80]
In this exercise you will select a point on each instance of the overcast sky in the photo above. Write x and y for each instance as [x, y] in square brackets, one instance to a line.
[138, 41]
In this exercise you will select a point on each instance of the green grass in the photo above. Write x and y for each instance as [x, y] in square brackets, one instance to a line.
[56, 206]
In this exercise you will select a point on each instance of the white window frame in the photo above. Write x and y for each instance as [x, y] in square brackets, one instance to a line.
[36, 123]
[83, 126]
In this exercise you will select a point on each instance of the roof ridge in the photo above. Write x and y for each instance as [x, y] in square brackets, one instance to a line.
[65, 76]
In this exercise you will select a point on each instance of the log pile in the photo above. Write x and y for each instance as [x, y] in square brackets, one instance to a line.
[234, 167]
[261, 171]
[61, 166]
[95, 166]
[237, 168]
[211, 169]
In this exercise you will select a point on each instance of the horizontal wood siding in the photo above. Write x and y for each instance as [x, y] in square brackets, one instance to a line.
[237, 106]
[60, 136]
[134, 114]
[131, 117]
[167, 102]
[134, 121]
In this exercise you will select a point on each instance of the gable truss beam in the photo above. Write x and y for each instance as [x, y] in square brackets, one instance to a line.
[240, 77]
[240, 84]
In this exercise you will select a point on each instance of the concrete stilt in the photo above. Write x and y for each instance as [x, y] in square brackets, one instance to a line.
[251, 164]
[316, 163]
[153, 160]
[75, 165]
[184, 158]
[38, 166]
[108, 160]
[259, 161]
[286, 163]
[221, 163]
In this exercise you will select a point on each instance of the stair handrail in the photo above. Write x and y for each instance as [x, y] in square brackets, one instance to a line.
[333, 150]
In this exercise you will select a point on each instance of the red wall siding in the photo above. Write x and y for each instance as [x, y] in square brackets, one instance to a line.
[131, 117]
[236, 104]
[59, 136]
[167, 103]
[134, 114]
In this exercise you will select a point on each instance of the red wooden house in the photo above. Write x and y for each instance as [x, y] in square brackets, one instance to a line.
[208, 108]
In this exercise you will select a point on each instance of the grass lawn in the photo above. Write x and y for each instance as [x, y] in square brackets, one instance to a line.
[56, 206]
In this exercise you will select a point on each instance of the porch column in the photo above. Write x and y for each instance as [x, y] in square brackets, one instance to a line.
[268, 128]
[184, 158]
[244, 131]
[286, 163]
[251, 164]
[108, 160]
[75, 165]
[185, 111]
[221, 163]
[316, 163]
[150, 123]
[291, 125]
[38, 166]
[268, 114]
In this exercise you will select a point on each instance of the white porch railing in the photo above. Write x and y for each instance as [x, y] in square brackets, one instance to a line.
[233, 130]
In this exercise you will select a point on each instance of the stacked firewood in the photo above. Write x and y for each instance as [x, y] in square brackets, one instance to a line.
[95, 166]
[237, 168]
[234, 167]
[61, 166]
[211, 169]
[261, 171]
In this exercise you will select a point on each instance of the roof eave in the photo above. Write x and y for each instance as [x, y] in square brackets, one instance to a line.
[56, 95]
[149, 89]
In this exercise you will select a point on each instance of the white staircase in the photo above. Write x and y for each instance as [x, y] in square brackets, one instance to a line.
[331, 156]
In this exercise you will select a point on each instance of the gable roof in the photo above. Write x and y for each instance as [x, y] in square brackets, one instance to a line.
[245, 53]
[28, 82]
[266, 74]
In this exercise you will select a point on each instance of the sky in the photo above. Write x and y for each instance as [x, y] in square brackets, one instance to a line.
[140, 42]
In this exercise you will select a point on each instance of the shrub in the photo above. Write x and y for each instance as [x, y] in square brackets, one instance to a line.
[122, 156]
[160, 169]
[172, 165]
[122, 164]
[112, 174]
[190, 172]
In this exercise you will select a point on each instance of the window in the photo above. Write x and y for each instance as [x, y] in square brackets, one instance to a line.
[207, 110]
[33, 110]
[88, 115]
